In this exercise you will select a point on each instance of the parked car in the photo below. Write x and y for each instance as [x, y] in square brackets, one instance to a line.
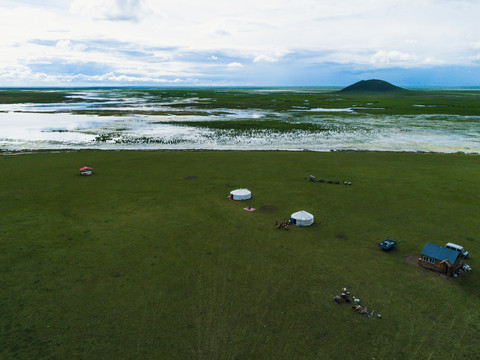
[458, 248]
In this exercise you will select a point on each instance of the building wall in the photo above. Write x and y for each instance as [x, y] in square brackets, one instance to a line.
[457, 264]
[440, 266]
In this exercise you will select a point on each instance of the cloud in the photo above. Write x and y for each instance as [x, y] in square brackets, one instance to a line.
[221, 32]
[68, 45]
[397, 58]
[176, 39]
[17, 76]
[235, 65]
[265, 58]
[393, 56]
[57, 66]
[112, 10]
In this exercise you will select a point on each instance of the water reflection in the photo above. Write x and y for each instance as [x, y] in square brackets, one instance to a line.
[51, 126]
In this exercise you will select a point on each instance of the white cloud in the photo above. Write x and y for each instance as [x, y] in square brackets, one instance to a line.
[67, 45]
[21, 75]
[265, 58]
[393, 56]
[174, 39]
[114, 10]
[221, 32]
[431, 61]
[397, 58]
[235, 65]
[410, 42]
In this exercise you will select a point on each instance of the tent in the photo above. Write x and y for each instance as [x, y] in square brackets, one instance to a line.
[301, 218]
[240, 194]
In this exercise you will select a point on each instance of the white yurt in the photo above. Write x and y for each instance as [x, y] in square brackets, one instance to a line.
[301, 218]
[241, 194]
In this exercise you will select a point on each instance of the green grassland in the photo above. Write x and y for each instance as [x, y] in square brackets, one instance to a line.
[137, 262]
[19, 96]
[249, 125]
[436, 102]
[199, 101]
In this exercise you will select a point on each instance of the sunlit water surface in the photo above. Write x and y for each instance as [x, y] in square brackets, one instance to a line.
[51, 126]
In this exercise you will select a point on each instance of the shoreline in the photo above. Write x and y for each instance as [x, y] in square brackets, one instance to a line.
[31, 152]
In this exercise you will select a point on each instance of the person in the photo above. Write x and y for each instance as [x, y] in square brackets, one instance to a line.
[346, 295]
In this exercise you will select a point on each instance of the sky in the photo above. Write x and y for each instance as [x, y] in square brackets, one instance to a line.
[238, 43]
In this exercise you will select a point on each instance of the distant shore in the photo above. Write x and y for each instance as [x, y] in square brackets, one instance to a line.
[30, 152]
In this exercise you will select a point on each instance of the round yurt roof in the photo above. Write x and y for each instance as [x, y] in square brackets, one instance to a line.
[302, 218]
[302, 215]
[241, 192]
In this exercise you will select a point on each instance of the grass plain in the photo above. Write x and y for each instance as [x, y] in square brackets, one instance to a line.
[201, 101]
[137, 262]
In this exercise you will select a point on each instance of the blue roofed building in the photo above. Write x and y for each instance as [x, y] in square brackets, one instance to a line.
[440, 259]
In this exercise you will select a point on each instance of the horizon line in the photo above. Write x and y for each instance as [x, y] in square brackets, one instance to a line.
[463, 87]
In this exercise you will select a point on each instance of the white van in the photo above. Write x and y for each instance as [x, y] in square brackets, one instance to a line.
[458, 248]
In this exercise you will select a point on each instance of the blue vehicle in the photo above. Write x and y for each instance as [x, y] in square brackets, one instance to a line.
[387, 244]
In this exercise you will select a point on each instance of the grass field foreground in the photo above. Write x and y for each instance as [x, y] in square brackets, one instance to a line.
[148, 260]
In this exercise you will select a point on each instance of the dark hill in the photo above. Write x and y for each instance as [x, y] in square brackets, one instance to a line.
[373, 86]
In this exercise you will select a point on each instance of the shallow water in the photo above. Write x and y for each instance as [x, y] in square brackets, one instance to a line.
[52, 126]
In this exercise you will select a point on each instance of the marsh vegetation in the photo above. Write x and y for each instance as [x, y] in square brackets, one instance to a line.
[224, 118]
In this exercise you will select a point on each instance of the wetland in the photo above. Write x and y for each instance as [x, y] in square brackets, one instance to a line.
[295, 119]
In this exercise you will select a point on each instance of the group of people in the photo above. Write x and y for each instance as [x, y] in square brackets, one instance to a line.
[312, 178]
[345, 297]
[282, 225]
[362, 310]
